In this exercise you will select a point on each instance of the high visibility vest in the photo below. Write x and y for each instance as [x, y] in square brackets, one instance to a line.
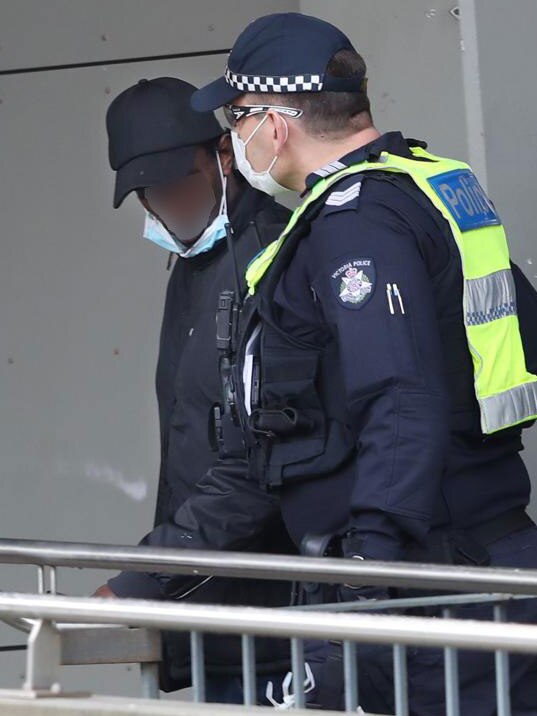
[505, 390]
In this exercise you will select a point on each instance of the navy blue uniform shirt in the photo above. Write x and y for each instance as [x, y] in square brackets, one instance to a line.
[379, 275]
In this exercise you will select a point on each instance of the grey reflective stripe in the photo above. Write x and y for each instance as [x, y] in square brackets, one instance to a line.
[338, 198]
[509, 408]
[489, 298]
[329, 169]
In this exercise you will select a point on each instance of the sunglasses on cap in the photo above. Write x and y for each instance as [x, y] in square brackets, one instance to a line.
[234, 112]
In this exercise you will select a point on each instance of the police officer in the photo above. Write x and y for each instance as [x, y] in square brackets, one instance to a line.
[180, 164]
[398, 346]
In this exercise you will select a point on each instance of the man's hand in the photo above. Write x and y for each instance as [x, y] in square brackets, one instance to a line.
[104, 592]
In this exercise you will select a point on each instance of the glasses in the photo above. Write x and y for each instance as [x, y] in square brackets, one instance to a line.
[235, 112]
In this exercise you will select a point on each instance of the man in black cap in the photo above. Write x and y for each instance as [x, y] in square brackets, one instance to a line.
[398, 346]
[198, 208]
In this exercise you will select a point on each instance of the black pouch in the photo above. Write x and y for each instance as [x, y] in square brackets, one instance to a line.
[466, 550]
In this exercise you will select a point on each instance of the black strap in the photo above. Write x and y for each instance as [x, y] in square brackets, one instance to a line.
[451, 545]
[267, 286]
[498, 527]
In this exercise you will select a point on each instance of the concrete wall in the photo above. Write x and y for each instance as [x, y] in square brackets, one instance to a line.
[412, 53]
[507, 60]
[81, 293]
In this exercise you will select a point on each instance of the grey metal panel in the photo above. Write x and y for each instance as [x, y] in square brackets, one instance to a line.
[33, 32]
[507, 60]
[81, 301]
[414, 67]
[110, 646]
[80, 307]
[81, 293]
[507, 67]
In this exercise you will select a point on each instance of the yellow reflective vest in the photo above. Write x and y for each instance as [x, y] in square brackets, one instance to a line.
[505, 390]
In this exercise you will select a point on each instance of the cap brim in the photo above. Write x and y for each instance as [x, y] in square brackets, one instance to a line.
[153, 170]
[214, 95]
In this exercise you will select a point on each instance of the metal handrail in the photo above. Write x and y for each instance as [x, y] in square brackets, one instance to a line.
[368, 628]
[270, 567]
[24, 625]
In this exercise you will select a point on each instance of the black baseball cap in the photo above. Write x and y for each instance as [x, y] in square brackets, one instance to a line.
[283, 52]
[153, 133]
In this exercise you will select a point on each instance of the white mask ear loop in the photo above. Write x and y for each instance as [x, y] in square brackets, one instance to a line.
[261, 123]
[223, 180]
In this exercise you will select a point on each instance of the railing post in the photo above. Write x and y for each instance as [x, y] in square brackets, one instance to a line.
[150, 680]
[400, 680]
[501, 661]
[451, 675]
[53, 580]
[197, 660]
[350, 671]
[41, 588]
[298, 669]
[43, 659]
[248, 670]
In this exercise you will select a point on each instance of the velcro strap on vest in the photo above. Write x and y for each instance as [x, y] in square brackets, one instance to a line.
[281, 423]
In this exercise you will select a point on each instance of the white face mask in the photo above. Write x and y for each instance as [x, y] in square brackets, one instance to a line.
[155, 231]
[264, 181]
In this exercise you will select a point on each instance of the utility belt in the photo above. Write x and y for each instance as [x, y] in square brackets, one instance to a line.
[467, 546]
[444, 546]
[462, 547]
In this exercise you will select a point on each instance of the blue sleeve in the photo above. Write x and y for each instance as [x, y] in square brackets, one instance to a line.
[377, 298]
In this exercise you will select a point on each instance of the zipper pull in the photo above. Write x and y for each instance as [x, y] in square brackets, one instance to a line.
[389, 297]
[397, 293]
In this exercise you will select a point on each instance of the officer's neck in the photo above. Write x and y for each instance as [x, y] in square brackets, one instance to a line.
[316, 152]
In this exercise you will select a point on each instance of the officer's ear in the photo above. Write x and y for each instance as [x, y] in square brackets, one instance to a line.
[280, 131]
[225, 151]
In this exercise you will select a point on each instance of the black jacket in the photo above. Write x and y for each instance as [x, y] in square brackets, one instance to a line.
[188, 385]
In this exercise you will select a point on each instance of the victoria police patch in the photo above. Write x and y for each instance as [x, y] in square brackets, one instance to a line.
[354, 282]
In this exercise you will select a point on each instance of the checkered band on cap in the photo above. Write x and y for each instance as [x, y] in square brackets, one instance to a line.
[257, 83]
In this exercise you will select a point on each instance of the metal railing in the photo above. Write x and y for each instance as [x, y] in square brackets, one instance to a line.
[269, 566]
[351, 629]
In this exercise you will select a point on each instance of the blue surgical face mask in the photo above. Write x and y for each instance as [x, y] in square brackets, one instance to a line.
[155, 231]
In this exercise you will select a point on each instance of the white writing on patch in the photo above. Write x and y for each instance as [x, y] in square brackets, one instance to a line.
[356, 263]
